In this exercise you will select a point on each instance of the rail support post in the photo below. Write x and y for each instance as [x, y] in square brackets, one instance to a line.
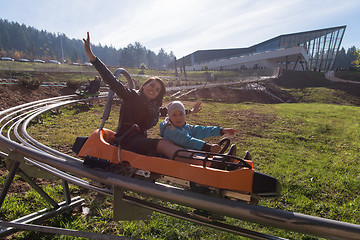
[126, 211]
[13, 168]
[16, 164]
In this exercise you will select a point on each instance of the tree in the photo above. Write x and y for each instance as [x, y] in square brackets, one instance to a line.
[346, 60]
[74, 57]
[351, 55]
[340, 60]
[30, 50]
[140, 54]
[17, 55]
[151, 59]
[161, 59]
[128, 56]
[356, 62]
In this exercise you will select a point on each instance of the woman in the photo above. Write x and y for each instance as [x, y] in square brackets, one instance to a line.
[139, 107]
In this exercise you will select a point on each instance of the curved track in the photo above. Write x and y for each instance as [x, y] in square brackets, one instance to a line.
[13, 125]
[14, 138]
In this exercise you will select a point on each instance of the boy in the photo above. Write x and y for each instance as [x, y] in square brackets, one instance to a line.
[175, 129]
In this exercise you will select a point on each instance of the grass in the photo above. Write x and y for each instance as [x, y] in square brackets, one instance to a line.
[310, 95]
[348, 75]
[312, 148]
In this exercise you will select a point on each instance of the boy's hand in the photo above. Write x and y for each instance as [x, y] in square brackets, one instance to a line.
[197, 107]
[229, 131]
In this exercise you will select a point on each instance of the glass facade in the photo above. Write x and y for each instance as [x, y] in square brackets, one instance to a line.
[321, 46]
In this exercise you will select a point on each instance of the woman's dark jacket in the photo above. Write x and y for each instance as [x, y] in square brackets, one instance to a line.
[136, 109]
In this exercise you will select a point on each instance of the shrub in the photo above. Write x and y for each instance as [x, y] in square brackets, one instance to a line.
[30, 82]
[72, 84]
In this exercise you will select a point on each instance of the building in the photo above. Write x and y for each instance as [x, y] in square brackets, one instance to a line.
[313, 50]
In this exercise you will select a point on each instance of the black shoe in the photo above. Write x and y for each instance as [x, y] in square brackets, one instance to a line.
[218, 165]
[232, 150]
[224, 159]
[247, 156]
[221, 162]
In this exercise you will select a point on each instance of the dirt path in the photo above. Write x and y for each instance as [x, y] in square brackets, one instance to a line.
[331, 76]
[15, 94]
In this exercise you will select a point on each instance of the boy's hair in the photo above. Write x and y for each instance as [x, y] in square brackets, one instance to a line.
[174, 106]
[159, 99]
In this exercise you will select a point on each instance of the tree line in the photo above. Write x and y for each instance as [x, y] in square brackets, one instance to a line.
[347, 60]
[21, 41]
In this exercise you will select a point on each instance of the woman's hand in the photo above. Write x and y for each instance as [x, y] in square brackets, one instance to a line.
[229, 131]
[197, 107]
[88, 51]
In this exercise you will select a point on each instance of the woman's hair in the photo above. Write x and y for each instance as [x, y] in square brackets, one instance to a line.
[159, 99]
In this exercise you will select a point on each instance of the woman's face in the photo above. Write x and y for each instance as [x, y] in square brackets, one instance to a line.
[152, 90]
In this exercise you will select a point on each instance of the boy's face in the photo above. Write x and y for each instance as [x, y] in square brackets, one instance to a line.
[177, 118]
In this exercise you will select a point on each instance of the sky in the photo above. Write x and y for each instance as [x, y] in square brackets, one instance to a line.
[184, 26]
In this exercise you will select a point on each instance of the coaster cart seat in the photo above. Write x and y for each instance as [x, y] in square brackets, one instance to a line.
[243, 183]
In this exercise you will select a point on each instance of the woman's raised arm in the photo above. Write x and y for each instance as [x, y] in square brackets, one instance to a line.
[88, 51]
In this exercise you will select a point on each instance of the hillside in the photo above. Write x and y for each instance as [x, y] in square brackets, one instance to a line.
[291, 87]
[314, 87]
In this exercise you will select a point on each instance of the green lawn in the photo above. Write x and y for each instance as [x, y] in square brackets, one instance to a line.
[313, 149]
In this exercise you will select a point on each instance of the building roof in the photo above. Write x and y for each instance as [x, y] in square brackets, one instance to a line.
[321, 46]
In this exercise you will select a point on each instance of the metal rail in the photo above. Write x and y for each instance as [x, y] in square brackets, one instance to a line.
[64, 166]
[26, 115]
[62, 231]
